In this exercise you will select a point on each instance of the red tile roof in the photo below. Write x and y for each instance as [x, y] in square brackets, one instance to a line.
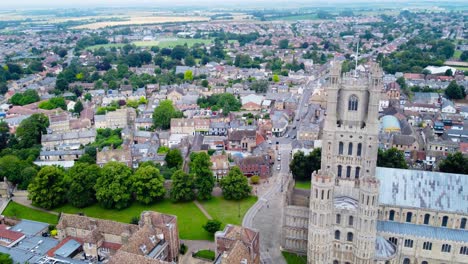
[9, 234]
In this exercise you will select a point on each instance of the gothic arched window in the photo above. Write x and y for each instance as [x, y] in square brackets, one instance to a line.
[406, 261]
[350, 237]
[350, 220]
[340, 169]
[337, 234]
[348, 172]
[359, 149]
[427, 218]
[358, 171]
[340, 148]
[463, 223]
[350, 148]
[391, 216]
[445, 221]
[409, 217]
[353, 103]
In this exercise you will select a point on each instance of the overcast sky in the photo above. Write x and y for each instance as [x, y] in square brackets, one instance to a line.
[6, 4]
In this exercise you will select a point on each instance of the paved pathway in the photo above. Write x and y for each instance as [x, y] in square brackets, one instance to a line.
[266, 214]
[194, 246]
[203, 210]
[21, 197]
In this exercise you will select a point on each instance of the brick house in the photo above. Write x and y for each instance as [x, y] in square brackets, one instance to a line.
[255, 165]
[242, 140]
[236, 244]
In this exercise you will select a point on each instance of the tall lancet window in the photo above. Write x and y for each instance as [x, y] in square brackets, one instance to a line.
[353, 103]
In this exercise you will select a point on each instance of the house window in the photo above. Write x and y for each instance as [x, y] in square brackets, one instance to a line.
[409, 216]
[143, 249]
[427, 246]
[337, 234]
[340, 148]
[464, 250]
[340, 168]
[426, 219]
[394, 240]
[358, 170]
[350, 237]
[446, 248]
[153, 239]
[348, 171]
[408, 243]
[444, 221]
[338, 218]
[359, 149]
[350, 148]
[351, 220]
[353, 103]
[463, 223]
[391, 215]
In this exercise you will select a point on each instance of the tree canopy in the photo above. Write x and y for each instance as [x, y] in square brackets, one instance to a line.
[235, 185]
[303, 165]
[455, 91]
[391, 158]
[174, 159]
[148, 185]
[182, 187]
[81, 179]
[163, 114]
[28, 97]
[17, 171]
[200, 167]
[47, 189]
[30, 130]
[225, 102]
[454, 163]
[113, 186]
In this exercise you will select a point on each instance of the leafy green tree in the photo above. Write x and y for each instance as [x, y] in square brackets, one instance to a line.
[259, 86]
[276, 78]
[88, 97]
[188, 75]
[255, 179]
[283, 44]
[464, 56]
[47, 189]
[78, 107]
[235, 185]
[190, 61]
[303, 165]
[53, 103]
[81, 179]
[179, 52]
[163, 114]
[174, 159]
[225, 101]
[200, 167]
[30, 130]
[163, 150]
[113, 186]
[4, 134]
[212, 226]
[455, 91]
[182, 187]
[17, 171]
[204, 83]
[454, 163]
[148, 185]
[28, 97]
[5, 259]
[391, 158]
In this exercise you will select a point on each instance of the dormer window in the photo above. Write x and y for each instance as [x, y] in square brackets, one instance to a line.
[153, 239]
[353, 103]
[143, 249]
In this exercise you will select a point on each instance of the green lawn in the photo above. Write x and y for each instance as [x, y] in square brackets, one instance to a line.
[22, 212]
[292, 258]
[206, 254]
[189, 218]
[457, 54]
[228, 211]
[303, 185]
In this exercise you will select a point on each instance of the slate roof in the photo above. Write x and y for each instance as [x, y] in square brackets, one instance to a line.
[426, 231]
[423, 189]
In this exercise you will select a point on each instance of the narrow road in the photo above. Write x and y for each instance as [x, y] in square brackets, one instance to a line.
[266, 214]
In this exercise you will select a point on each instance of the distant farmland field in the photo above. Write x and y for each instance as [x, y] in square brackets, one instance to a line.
[142, 21]
[162, 43]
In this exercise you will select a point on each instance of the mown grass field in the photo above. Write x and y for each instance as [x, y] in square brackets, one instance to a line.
[22, 212]
[303, 185]
[292, 258]
[162, 43]
[228, 211]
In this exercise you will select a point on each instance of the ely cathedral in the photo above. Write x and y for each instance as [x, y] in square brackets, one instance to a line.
[356, 213]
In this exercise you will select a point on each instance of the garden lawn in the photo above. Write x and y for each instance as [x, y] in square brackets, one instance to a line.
[305, 185]
[23, 212]
[206, 254]
[189, 218]
[292, 258]
[227, 211]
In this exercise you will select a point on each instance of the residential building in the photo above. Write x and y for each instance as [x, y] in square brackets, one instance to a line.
[236, 244]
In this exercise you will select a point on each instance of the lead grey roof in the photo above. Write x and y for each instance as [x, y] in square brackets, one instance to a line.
[426, 231]
[423, 189]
